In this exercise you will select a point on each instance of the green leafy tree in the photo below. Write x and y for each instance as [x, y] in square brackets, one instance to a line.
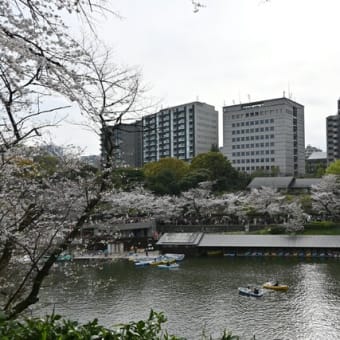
[47, 164]
[193, 178]
[127, 178]
[334, 168]
[179, 167]
[215, 162]
[164, 182]
[221, 171]
[274, 172]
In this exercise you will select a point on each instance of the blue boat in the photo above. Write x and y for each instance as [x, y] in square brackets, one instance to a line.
[143, 263]
[250, 292]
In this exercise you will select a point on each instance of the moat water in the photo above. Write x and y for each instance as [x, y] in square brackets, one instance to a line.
[202, 295]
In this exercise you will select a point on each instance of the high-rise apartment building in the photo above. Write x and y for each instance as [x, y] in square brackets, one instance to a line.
[123, 142]
[333, 136]
[182, 131]
[265, 135]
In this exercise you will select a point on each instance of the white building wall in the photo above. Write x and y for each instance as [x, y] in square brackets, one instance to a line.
[261, 135]
[206, 127]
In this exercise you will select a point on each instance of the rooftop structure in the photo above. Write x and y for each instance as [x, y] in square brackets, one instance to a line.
[272, 182]
[283, 183]
[316, 161]
[272, 241]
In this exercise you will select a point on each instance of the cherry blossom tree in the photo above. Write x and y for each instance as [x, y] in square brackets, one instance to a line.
[271, 206]
[37, 60]
[41, 213]
[326, 197]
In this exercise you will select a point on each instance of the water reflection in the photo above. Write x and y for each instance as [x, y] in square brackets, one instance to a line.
[203, 294]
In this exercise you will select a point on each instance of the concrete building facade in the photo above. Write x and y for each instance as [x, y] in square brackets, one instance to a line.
[182, 132]
[124, 143]
[333, 136]
[265, 135]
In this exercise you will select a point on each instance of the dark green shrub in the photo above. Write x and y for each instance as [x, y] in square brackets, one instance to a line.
[54, 327]
[321, 225]
[275, 230]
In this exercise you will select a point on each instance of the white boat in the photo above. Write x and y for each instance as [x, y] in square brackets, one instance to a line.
[168, 266]
[143, 263]
[176, 257]
[250, 292]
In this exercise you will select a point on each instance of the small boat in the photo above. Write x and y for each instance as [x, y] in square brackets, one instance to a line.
[161, 260]
[168, 266]
[274, 286]
[177, 257]
[143, 263]
[229, 254]
[250, 292]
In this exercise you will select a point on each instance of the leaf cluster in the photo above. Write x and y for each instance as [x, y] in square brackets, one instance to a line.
[54, 327]
[173, 176]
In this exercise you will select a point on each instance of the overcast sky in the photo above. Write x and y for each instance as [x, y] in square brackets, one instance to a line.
[231, 50]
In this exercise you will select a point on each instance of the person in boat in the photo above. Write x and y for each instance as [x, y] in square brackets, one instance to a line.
[168, 263]
[276, 283]
[256, 291]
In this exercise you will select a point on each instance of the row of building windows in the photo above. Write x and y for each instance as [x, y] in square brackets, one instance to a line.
[253, 122]
[181, 148]
[166, 117]
[248, 168]
[259, 137]
[239, 132]
[251, 146]
[253, 160]
[247, 138]
[152, 133]
[251, 153]
[176, 137]
[254, 114]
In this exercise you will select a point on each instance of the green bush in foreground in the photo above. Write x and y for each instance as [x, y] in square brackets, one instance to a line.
[54, 327]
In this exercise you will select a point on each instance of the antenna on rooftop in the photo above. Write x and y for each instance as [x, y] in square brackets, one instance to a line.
[249, 100]
[284, 94]
[197, 98]
[233, 101]
[290, 94]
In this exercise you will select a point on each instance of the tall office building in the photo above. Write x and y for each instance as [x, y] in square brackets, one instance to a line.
[124, 143]
[265, 135]
[333, 136]
[182, 131]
